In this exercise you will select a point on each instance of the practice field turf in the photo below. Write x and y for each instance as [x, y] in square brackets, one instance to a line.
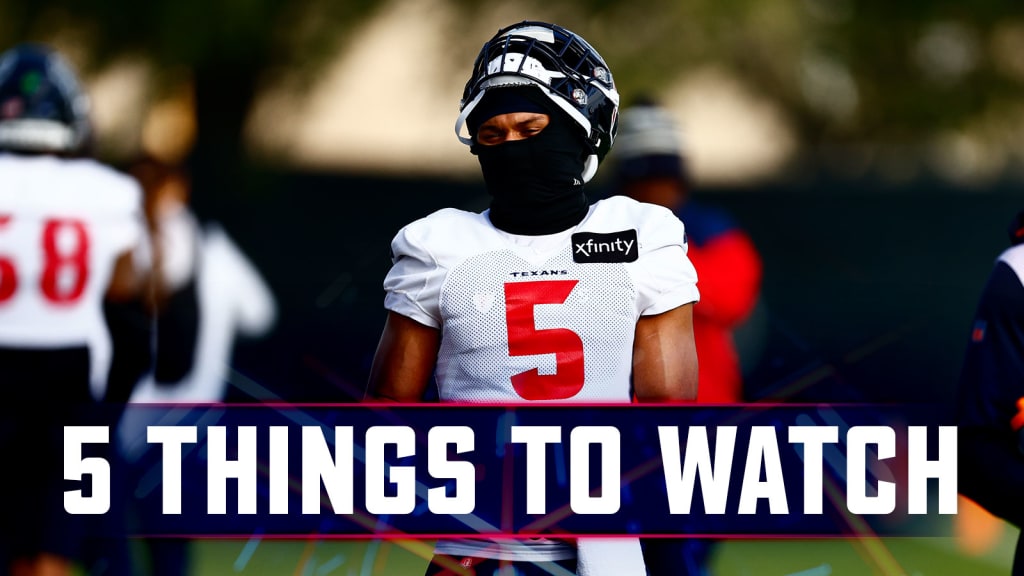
[869, 557]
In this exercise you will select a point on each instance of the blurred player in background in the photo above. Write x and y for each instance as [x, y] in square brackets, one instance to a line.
[158, 339]
[650, 166]
[68, 228]
[991, 395]
[232, 299]
[511, 305]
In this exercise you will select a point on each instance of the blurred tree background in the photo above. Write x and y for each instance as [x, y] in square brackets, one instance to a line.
[929, 85]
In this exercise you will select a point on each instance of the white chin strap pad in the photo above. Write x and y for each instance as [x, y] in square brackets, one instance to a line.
[590, 168]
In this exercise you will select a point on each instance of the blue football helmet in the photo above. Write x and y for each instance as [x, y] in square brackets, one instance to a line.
[566, 69]
[43, 108]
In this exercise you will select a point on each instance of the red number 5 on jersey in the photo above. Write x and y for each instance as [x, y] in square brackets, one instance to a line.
[524, 339]
[8, 276]
[65, 251]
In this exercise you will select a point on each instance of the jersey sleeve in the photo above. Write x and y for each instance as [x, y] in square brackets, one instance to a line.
[413, 284]
[665, 277]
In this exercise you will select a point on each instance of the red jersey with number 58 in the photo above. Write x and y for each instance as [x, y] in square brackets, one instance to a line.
[549, 318]
[63, 224]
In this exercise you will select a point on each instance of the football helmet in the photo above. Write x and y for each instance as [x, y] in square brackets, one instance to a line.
[42, 106]
[566, 69]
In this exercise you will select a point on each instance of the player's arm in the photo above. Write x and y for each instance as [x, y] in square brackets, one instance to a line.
[404, 361]
[664, 353]
[665, 357]
[407, 351]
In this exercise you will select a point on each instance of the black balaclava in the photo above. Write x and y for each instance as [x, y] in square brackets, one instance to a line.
[536, 184]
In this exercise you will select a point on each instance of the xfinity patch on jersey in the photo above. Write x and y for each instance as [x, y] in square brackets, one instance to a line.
[610, 248]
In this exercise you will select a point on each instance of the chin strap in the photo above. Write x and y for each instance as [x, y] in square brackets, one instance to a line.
[589, 168]
[461, 120]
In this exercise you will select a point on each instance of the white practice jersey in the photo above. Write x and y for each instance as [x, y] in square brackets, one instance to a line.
[553, 317]
[538, 318]
[63, 223]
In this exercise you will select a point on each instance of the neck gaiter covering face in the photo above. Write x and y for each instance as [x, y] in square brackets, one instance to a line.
[535, 183]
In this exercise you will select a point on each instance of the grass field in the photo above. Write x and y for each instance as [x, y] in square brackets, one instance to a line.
[870, 557]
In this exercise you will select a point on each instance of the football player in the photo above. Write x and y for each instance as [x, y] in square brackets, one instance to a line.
[68, 226]
[991, 402]
[232, 300]
[543, 296]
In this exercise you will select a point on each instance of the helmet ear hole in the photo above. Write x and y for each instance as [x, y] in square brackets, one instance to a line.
[42, 105]
[563, 65]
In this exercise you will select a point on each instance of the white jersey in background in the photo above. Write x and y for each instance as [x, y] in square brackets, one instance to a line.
[63, 224]
[538, 318]
[233, 299]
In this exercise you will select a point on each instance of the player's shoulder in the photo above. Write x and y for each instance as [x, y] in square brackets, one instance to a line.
[105, 181]
[95, 169]
[621, 217]
[447, 225]
[83, 185]
[87, 169]
[654, 224]
[1014, 258]
[623, 209]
